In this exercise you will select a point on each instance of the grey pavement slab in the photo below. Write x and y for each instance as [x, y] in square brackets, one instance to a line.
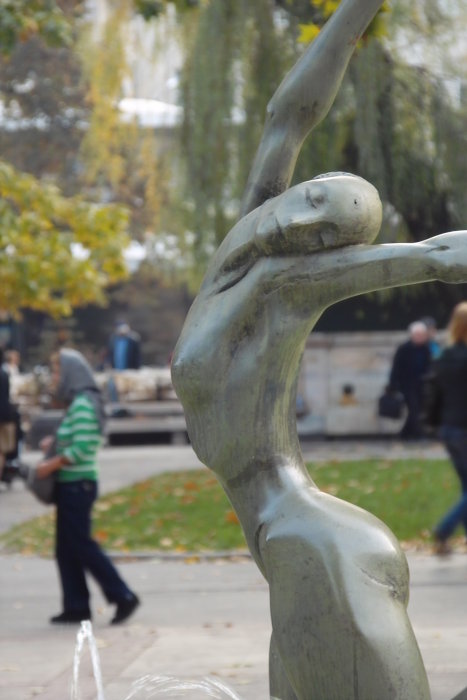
[438, 612]
[197, 619]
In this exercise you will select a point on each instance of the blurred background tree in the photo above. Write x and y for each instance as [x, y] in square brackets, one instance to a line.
[76, 181]
[399, 120]
[58, 249]
[55, 252]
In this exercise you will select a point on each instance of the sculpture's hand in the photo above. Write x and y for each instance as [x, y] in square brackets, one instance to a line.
[449, 250]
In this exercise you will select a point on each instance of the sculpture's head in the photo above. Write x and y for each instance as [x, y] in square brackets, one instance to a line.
[330, 211]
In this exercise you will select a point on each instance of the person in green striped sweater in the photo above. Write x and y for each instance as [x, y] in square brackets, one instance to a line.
[72, 455]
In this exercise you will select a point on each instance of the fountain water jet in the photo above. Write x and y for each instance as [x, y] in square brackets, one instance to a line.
[152, 687]
[147, 687]
[85, 634]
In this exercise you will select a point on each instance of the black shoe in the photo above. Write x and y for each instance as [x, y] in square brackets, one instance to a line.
[441, 545]
[124, 609]
[67, 618]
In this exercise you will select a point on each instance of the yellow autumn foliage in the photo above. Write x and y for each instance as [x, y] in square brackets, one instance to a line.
[326, 8]
[56, 252]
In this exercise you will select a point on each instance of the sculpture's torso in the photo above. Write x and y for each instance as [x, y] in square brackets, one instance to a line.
[235, 370]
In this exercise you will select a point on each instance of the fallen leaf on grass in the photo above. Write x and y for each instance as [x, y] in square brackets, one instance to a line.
[231, 517]
[188, 500]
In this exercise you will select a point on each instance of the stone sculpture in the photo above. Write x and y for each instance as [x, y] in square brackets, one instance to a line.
[338, 580]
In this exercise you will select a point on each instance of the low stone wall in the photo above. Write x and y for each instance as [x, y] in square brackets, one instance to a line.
[145, 384]
[342, 377]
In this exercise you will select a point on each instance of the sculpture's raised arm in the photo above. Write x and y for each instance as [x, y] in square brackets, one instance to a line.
[303, 99]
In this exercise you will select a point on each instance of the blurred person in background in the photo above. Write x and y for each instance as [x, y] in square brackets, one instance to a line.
[10, 425]
[410, 364]
[5, 413]
[12, 362]
[433, 344]
[72, 455]
[448, 386]
[124, 350]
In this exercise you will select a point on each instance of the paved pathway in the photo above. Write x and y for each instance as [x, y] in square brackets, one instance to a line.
[198, 618]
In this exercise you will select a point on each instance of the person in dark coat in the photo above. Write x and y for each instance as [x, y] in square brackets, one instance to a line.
[124, 348]
[449, 386]
[5, 405]
[9, 414]
[411, 363]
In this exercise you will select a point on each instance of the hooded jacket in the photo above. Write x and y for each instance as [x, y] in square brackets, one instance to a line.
[79, 434]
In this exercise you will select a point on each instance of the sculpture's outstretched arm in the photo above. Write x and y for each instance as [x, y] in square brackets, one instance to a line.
[332, 276]
[303, 99]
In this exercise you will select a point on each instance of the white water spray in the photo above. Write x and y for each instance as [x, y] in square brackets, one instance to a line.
[152, 687]
[146, 687]
[85, 634]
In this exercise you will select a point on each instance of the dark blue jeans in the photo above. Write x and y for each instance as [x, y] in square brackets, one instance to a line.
[77, 552]
[455, 441]
[412, 427]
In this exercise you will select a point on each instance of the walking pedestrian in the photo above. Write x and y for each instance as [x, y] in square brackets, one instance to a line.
[448, 387]
[411, 363]
[71, 455]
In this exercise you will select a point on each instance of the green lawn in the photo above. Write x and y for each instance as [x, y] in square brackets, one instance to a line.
[188, 511]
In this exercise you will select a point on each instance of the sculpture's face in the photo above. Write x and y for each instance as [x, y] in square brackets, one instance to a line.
[331, 211]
